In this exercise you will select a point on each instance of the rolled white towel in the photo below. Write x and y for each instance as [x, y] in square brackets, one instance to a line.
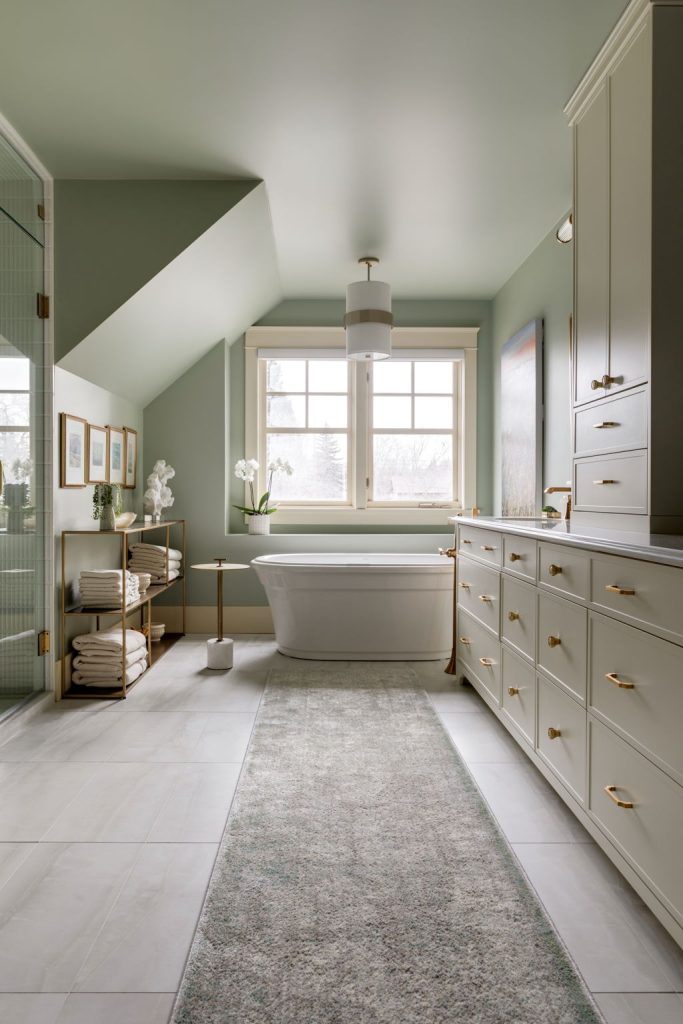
[111, 640]
[90, 679]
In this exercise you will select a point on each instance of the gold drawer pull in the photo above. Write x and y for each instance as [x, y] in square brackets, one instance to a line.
[604, 382]
[465, 586]
[465, 640]
[513, 616]
[614, 678]
[554, 641]
[605, 423]
[605, 481]
[485, 598]
[513, 690]
[554, 570]
[487, 547]
[486, 662]
[612, 794]
[466, 541]
[613, 588]
[554, 734]
[514, 557]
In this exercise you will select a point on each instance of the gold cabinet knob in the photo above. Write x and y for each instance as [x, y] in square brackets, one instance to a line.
[465, 541]
[595, 384]
[514, 557]
[513, 690]
[485, 598]
[513, 616]
[554, 570]
[465, 586]
[554, 641]
[486, 662]
[465, 640]
[553, 733]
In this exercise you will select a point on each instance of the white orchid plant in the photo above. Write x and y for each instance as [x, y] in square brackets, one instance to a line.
[246, 469]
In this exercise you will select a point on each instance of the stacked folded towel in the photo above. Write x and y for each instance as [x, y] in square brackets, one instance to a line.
[104, 588]
[99, 658]
[152, 558]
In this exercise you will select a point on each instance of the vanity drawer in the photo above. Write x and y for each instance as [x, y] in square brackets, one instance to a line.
[562, 736]
[484, 544]
[479, 652]
[519, 556]
[650, 833]
[613, 483]
[518, 624]
[642, 593]
[616, 424]
[564, 570]
[479, 592]
[519, 694]
[561, 643]
[636, 683]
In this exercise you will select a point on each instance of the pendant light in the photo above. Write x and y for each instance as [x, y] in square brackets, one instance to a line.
[368, 319]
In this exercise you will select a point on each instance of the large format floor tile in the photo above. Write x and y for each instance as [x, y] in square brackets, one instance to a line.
[481, 739]
[29, 1008]
[640, 1008]
[128, 1008]
[617, 943]
[33, 797]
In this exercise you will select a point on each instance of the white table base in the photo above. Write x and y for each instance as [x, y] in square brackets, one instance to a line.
[219, 654]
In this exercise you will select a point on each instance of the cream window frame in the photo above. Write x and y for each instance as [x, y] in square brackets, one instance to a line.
[414, 343]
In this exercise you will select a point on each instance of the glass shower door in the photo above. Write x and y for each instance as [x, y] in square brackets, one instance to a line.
[24, 433]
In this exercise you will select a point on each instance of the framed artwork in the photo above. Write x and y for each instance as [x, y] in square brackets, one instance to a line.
[98, 455]
[131, 451]
[521, 394]
[74, 432]
[117, 446]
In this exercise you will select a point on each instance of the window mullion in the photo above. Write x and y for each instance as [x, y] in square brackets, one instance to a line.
[360, 431]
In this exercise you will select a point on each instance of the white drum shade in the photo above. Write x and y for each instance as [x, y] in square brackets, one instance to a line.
[369, 337]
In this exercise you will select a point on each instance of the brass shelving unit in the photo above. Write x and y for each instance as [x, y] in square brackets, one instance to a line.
[143, 605]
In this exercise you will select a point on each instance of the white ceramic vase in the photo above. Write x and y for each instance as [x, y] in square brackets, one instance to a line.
[259, 525]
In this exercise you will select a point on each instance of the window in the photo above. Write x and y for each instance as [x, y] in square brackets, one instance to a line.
[388, 442]
[15, 419]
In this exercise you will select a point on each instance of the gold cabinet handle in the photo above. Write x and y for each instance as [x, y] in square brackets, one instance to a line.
[514, 557]
[553, 733]
[554, 641]
[465, 586]
[595, 384]
[447, 552]
[465, 640]
[487, 547]
[513, 616]
[612, 794]
[486, 662]
[554, 570]
[485, 598]
[464, 541]
[614, 678]
[605, 424]
[613, 588]
[605, 482]
[604, 382]
[513, 690]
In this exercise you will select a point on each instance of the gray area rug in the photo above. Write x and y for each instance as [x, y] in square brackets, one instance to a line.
[361, 879]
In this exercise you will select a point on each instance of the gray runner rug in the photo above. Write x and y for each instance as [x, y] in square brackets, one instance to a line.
[361, 879]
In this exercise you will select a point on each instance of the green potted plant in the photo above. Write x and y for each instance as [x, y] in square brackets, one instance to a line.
[106, 505]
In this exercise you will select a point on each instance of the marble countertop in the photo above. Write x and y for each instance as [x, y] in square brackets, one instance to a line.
[663, 548]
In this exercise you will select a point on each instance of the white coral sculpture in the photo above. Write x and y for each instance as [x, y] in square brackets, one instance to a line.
[158, 494]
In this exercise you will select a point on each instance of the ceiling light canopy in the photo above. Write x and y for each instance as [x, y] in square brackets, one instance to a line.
[368, 319]
[565, 232]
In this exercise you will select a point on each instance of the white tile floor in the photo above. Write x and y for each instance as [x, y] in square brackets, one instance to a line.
[111, 815]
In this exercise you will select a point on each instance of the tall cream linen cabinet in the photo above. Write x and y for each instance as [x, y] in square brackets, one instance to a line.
[627, 120]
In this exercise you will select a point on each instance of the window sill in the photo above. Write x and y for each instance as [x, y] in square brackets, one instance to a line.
[365, 516]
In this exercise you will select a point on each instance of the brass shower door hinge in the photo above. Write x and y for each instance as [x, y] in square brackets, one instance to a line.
[43, 643]
[43, 306]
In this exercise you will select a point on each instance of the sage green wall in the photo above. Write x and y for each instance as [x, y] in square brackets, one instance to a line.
[112, 237]
[540, 287]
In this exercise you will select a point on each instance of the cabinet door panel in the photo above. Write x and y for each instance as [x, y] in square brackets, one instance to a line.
[630, 213]
[591, 215]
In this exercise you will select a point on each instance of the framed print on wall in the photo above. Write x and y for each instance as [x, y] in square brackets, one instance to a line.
[521, 400]
[98, 455]
[117, 469]
[73, 450]
[131, 452]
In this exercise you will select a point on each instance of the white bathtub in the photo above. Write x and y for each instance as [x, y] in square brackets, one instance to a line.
[360, 607]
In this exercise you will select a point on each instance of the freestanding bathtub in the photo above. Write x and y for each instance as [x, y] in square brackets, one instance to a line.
[360, 607]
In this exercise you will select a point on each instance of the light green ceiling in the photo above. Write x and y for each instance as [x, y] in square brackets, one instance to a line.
[430, 133]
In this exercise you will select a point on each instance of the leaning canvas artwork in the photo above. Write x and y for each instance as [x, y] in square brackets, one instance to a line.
[521, 391]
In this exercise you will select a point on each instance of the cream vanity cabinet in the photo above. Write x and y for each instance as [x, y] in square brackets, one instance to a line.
[628, 206]
[579, 652]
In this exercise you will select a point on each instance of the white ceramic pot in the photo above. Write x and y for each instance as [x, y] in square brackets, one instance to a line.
[259, 525]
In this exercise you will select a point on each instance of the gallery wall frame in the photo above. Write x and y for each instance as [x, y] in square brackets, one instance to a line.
[97, 464]
[131, 457]
[117, 452]
[73, 450]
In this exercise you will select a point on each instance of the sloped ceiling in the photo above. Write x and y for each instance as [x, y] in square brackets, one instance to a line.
[217, 286]
[430, 132]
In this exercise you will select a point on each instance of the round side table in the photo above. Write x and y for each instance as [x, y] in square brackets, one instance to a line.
[219, 650]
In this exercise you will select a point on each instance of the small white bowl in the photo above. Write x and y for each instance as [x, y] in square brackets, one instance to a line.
[125, 519]
[158, 630]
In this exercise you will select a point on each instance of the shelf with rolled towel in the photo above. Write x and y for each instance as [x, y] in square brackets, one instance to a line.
[122, 598]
